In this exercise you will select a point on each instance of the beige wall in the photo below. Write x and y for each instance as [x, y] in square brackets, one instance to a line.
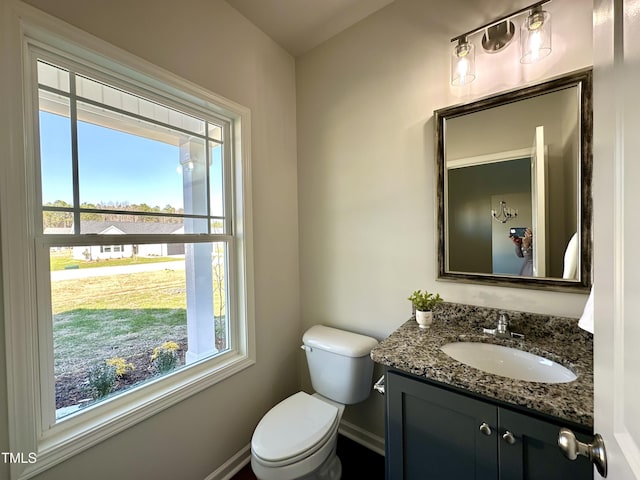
[362, 192]
[366, 162]
[210, 44]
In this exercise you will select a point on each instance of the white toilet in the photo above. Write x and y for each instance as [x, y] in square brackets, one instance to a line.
[297, 438]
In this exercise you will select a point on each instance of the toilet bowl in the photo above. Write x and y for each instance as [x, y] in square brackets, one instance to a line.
[297, 438]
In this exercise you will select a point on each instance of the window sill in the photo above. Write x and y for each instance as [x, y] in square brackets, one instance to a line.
[92, 425]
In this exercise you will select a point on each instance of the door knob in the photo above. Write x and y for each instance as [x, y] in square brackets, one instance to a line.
[509, 438]
[485, 428]
[572, 447]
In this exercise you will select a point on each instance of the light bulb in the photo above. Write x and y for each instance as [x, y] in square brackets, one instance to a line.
[463, 68]
[535, 43]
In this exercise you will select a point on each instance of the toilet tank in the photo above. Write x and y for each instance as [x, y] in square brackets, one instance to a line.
[339, 363]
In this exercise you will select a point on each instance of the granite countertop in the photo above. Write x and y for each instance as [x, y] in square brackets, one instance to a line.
[417, 351]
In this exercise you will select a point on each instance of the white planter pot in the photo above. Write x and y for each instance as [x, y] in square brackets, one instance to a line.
[424, 319]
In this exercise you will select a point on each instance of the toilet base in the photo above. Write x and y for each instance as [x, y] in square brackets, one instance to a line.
[329, 469]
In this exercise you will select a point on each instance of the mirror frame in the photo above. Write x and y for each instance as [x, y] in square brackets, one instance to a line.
[583, 79]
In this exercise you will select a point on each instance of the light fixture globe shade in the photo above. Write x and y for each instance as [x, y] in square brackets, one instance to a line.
[463, 64]
[535, 37]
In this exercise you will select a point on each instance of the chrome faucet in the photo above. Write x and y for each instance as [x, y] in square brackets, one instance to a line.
[502, 328]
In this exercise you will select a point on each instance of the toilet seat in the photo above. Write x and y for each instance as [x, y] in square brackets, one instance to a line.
[294, 429]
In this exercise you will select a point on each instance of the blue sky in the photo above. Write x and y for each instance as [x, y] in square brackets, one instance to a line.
[113, 166]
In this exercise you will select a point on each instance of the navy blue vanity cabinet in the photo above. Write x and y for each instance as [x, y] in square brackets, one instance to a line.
[436, 434]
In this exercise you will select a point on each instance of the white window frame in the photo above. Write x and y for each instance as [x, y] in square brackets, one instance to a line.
[27, 359]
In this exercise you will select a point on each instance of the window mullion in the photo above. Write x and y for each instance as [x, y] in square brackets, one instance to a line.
[73, 112]
[89, 239]
[141, 117]
[207, 174]
[228, 179]
[45, 340]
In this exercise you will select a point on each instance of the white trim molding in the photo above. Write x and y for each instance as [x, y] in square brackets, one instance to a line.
[489, 158]
[228, 469]
[363, 437]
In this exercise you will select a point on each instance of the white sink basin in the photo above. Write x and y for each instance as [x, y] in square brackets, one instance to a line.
[508, 362]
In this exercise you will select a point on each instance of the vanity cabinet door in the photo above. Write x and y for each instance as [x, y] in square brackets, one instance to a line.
[531, 452]
[436, 434]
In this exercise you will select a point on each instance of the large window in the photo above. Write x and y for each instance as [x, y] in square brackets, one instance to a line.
[115, 163]
[139, 221]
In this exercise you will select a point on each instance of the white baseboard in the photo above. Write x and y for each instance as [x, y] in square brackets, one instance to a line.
[359, 435]
[362, 436]
[232, 466]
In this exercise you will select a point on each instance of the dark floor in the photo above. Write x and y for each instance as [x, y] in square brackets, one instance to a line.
[358, 462]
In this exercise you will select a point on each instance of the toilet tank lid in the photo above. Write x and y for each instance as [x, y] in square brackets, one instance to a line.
[337, 341]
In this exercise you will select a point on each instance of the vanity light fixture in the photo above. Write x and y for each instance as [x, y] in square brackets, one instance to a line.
[503, 214]
[535, 41]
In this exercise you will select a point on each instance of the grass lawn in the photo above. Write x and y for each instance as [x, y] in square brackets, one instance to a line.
[97, 318]
[62, 259]
[126, 315]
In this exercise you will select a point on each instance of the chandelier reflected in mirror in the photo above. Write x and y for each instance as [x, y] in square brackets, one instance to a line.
[504, 214]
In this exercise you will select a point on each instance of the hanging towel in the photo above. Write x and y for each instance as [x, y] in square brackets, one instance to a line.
[571, 259]
[586, 320]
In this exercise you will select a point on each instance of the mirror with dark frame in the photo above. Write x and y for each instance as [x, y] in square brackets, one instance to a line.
[514, 187]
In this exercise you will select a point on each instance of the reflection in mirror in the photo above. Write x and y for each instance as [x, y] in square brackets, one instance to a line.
[514, 187]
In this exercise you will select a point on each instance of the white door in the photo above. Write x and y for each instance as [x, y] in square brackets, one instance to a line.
[539, 203]
[616, 198]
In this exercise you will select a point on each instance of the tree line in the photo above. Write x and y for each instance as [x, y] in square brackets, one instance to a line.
[56, 219]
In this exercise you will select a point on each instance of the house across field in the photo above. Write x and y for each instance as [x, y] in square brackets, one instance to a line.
[104, 252]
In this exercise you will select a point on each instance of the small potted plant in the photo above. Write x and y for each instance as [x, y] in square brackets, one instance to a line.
[424, 303]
